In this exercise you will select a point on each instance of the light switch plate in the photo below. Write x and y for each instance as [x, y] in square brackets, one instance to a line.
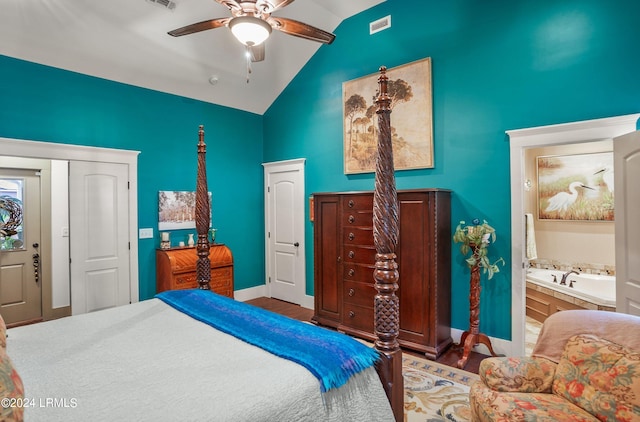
[146, 234]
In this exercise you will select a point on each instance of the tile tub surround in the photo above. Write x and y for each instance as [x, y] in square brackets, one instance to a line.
[581, 267]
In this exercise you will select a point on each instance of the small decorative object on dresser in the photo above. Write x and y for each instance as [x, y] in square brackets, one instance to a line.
[165, 243]
[344, 261]
[176, 269]
[212, 236]
[191, 242]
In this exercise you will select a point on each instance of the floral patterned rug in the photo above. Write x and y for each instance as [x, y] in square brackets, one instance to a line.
[435, 392]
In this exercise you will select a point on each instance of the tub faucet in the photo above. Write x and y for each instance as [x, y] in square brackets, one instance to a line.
[563, 281]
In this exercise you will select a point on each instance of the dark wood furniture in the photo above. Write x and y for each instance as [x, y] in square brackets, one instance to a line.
[176, 269]
[386, 314]
[344, 261]
[472, 337]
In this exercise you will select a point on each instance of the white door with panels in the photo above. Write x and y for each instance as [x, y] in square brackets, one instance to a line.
[99, 235]
[284, 220]
[626, 156]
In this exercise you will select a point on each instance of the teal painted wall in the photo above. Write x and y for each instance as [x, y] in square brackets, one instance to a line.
[497, 65]
[46, 104]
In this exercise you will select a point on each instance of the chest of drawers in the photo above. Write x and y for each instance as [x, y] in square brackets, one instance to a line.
[344, 259]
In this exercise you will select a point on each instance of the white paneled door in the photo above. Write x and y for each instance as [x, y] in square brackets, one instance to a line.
[99, 235]
[284, 219]
[626, 156]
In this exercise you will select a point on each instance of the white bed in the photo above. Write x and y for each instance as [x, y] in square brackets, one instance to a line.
[149, 362]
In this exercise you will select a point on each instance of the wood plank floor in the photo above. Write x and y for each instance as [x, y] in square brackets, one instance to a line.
[449, 358]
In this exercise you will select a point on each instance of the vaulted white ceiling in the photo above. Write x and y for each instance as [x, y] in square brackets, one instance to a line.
[126, 41]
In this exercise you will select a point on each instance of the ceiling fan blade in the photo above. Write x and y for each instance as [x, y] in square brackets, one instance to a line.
[270, 6]
[200, 26]
[302, 30]
[257, 52]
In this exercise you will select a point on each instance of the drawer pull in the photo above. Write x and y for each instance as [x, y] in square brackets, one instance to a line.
[352, 272]
[351, 219]
[351, 203]
[352, 314]
[352, 236]
[352, 292]
[352, 254]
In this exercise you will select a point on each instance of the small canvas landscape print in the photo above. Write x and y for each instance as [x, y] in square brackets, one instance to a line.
[177, 210]
[409, 87]
[576, 187]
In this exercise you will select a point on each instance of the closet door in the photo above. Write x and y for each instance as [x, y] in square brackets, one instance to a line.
[327, 260]
[99, 236]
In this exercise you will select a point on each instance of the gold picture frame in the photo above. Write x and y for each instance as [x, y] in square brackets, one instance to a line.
[577, 187]
[411, 119]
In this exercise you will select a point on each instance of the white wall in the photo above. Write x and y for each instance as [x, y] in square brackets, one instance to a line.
[60, 278]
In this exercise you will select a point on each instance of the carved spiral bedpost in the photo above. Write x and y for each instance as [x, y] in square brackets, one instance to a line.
[385, 237]
[203, 265]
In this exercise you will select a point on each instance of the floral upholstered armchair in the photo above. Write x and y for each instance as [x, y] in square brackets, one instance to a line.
[585, 366]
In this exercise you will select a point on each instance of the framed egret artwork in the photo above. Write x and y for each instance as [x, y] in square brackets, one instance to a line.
[576, 187]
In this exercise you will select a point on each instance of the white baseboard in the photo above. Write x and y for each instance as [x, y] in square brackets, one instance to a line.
[308, 302]
[261, 291]
[250, 293]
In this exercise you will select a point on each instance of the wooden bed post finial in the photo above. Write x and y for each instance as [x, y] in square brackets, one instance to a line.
[385, 237]
[203, 212]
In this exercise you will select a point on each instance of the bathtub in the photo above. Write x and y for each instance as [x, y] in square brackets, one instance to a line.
[593, 288]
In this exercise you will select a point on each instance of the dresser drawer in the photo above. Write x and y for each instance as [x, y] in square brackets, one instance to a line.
[358, 236]
[359, 254]
[186, 281]
[358, 202]
[360, 294]
[355, 218]
[221, 276]
[358, 317]
[357, 272]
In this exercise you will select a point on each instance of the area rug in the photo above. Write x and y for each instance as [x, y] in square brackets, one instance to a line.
[435, 392]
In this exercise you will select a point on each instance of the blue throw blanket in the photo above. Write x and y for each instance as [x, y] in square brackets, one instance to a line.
[330, 356]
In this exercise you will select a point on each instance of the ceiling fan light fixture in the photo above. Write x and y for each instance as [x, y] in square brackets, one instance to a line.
[250, 30]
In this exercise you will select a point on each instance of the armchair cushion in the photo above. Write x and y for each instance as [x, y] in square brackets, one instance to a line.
[523, 374]
[489, 405]
[601, 377]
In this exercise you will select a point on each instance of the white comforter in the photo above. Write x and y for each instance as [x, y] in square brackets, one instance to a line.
[149, 362]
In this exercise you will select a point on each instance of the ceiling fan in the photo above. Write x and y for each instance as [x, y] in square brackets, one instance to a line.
[251, 23]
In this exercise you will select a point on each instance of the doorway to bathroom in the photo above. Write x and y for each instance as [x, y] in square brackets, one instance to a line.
[571, 138]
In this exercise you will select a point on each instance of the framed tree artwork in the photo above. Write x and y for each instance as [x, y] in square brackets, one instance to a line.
[409, 87]
[176, 210]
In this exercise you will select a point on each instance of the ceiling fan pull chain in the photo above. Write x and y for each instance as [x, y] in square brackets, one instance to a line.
[248, 56]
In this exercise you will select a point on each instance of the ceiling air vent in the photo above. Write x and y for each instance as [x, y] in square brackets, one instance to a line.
[167, 4]
[380, 24]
